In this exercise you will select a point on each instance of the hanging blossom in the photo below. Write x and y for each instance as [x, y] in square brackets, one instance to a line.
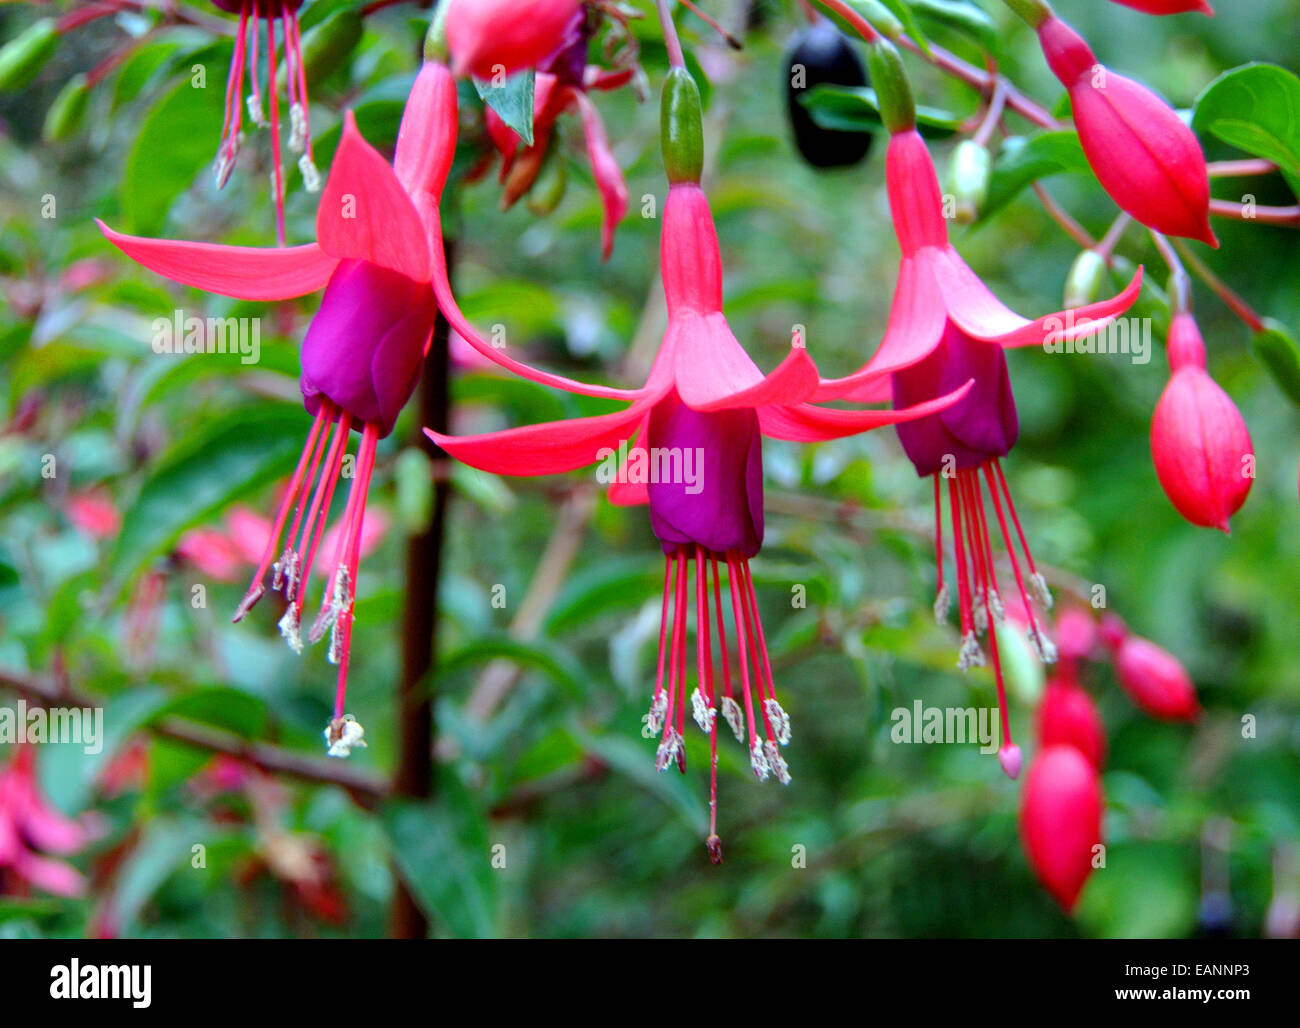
[253, 16]
[491, 39]
[563, 86]
[31, 828]
[946, 328]
[704, 409]
[379, 257]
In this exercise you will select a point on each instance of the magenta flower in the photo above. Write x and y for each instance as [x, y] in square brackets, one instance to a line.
[697, 462]
[379, 257]
[246, 47]
[946, 328]
[30, 828]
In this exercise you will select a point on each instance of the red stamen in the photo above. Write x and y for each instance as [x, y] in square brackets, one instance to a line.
[277, 170]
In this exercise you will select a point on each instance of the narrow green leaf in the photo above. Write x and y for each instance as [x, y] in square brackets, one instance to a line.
[513, 102]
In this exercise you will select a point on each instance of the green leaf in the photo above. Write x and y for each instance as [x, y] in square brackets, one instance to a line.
[1279, 352]
[177, 140]
[636, 761]
[965, 17]
[856, 109]
[513, 102]
[1023, 161]
[443, 853]
[1256, 108]
[224, 461]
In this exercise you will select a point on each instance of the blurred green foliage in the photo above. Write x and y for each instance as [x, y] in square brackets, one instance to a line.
[899, 840]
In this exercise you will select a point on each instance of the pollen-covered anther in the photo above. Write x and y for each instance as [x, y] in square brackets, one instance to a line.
[971, 655]
[310, 174]
[249, 601]
[344, 734]
[297, 128]
[758, 761]
[980, 614]
[1038, 586]
[285, 572]
[329, 616]
[705, 716]
[225, 162]
[255, 111]
[731, 713]
[658, 708]
[779, 719]
[1043, 647]
[777, 762]
[671, 751]
[291, 628]
[995, 606]
[941, 603]
[714, 844]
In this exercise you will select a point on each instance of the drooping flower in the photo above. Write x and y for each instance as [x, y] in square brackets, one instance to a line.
[289, 49]
[1200, 445]
[1168, 6]
[379, 256]
[1141, 152]
[563, 87]
[946, 328]
[698, 425]
[1067, 716]
[1154, 679]
[491, 39]
[31, 828]
[1060, 820]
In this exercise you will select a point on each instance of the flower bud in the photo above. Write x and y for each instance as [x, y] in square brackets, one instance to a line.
[68, 111]
[1068, 717]
[1142, 153]
[1168, 6]
[1199, 443]
[1083, 283]
[967, 181]
[681, 127]
[893, 91]
[23, 57]
[1154, 679]
[492, 38]
[1060, 821]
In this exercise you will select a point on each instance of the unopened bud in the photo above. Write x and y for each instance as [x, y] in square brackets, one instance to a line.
[969, 170]
[681, 127]
[23, 57]
[1083, 283]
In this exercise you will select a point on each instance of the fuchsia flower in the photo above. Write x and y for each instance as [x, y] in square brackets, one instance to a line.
[379, 257]
[30, 827]
[1141, 152]
[493, 38]
[705, 401]
[1168, 6]
[946, 328]
[246, 47]
[1060, 820]
[1154, 678]
[1067, 716]
[562, 88]
[1199, 442]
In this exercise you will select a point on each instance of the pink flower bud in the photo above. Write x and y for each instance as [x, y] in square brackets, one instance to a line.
[491, 38]
[1154, 678]
[1076, 634]
[1068, 717]
[1141, 152]
[1060, 821]
[1168, 6]
[1199, 443]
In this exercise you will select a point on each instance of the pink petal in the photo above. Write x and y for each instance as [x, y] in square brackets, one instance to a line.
[980, 314]
[712, 371]
[545, 449]
[244, 272]
[605, 169]
[51, 875]
[631, 494]
[426, 140]
[805, 423]
[452, 312]
[365, 214]
[916, 322]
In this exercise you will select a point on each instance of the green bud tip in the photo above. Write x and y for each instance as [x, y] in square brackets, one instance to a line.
[893, 91]
[681, 127]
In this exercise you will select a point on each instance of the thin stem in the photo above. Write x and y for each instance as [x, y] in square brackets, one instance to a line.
[671, 41]
[1288, 216]
[993, 115]
[1221, 289]
[1063, 218]
[1180, 285]
[1112, 237]
[1237, 169]
[953, 65]
[859, 23]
